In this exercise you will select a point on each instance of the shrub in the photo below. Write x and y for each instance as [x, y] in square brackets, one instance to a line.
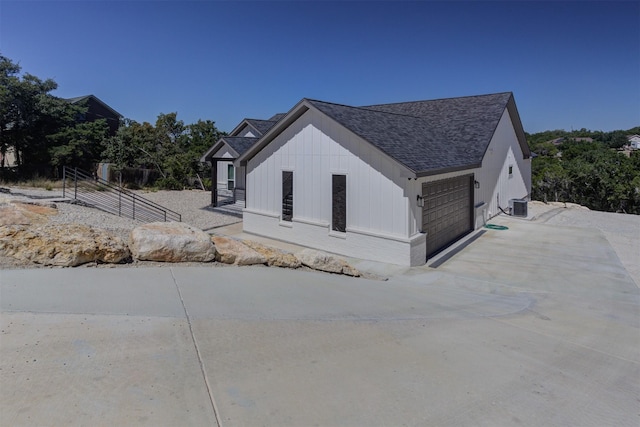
[169, 183]
[207, 183]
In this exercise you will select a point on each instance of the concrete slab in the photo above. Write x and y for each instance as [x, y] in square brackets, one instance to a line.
[97, 347]
[77, 369]
[331, 351]
[535, 325]
[136, 291]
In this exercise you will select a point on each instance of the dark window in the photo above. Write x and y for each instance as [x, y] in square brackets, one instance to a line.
[231, 177]
[510, 170]
[339, 203]
[287, 196]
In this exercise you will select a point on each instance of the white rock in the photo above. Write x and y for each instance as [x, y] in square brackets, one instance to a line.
[325, 262]
[230, 251]
[66, 245]
[275, 257]
[20, 213]
[171, 242]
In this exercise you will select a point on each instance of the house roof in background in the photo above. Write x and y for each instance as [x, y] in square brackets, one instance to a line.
[262, 126]
[82, 99]
[239, 144]
[258, 125]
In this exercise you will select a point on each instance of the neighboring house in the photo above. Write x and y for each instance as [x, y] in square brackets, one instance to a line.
[394, 183]
[634, 142]
[96, 109]
[228, 180]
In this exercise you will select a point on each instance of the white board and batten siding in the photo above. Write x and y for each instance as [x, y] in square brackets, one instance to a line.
[314, 148]
[496, 183]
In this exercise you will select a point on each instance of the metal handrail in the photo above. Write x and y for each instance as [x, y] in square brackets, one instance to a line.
[114, 199]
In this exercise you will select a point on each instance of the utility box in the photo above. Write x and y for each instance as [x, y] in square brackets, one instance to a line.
[518, 207]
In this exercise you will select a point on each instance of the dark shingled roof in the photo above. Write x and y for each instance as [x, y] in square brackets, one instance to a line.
[262, 126]
[426, 136]
[239, 143]
[82, 99]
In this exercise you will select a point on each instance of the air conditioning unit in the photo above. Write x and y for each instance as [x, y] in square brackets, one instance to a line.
[518, 207]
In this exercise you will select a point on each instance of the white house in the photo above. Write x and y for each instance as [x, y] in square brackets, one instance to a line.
[394, 183]
[634, 142]
[228, 180]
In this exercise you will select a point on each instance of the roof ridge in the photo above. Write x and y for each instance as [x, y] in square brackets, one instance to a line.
[442, 99]
[365, 108]
[242, 137]
[259, 120]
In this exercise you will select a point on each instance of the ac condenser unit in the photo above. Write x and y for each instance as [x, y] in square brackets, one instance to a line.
[518, 207]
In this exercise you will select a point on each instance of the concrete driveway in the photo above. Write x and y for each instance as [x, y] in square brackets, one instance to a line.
[535, 325]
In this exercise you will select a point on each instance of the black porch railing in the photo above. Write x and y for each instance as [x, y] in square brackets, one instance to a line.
[103, 195]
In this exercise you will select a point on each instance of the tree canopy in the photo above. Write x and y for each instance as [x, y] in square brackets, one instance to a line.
[587, 168]
[170, 147]
[45, 134]
[28, 115]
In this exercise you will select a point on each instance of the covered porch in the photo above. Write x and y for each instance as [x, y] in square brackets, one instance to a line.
[228, 181]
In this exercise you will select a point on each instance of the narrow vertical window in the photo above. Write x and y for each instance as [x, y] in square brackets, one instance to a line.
[287, 196]
[231, 177]
[339, 203]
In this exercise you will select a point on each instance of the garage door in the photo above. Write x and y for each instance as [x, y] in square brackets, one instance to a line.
[447, 212]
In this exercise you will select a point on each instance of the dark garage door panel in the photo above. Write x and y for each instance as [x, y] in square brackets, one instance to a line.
[446, 215]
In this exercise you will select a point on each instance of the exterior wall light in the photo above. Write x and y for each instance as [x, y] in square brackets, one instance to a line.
[420, 201]
[476, 184]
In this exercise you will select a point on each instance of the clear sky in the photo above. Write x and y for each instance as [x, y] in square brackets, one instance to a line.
[569, 64]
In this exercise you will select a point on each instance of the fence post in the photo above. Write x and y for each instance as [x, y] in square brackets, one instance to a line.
[134, 206]
[64, 179]
[75, 183]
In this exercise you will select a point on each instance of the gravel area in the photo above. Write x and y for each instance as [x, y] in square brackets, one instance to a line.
[192, 205]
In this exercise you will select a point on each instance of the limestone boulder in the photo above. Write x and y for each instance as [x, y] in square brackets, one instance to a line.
[230, 251]
[66, 245]
[171, 242]
[275, 257]
[19, 213]
[324, 262]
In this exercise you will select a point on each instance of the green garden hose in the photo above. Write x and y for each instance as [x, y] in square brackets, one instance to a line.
[496, 227]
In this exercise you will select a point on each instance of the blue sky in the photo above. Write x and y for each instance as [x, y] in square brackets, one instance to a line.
[570, 64]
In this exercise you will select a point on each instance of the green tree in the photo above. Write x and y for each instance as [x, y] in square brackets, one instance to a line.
[202, 135]
[549, 180]
[79, 146]
[593, 174]
[28, 113]
[171, 147]
[618, 139]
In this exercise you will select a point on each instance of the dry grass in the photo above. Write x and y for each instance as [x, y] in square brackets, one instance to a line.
[41, 183]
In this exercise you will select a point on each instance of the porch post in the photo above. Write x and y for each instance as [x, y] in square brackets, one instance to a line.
[214, 182]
